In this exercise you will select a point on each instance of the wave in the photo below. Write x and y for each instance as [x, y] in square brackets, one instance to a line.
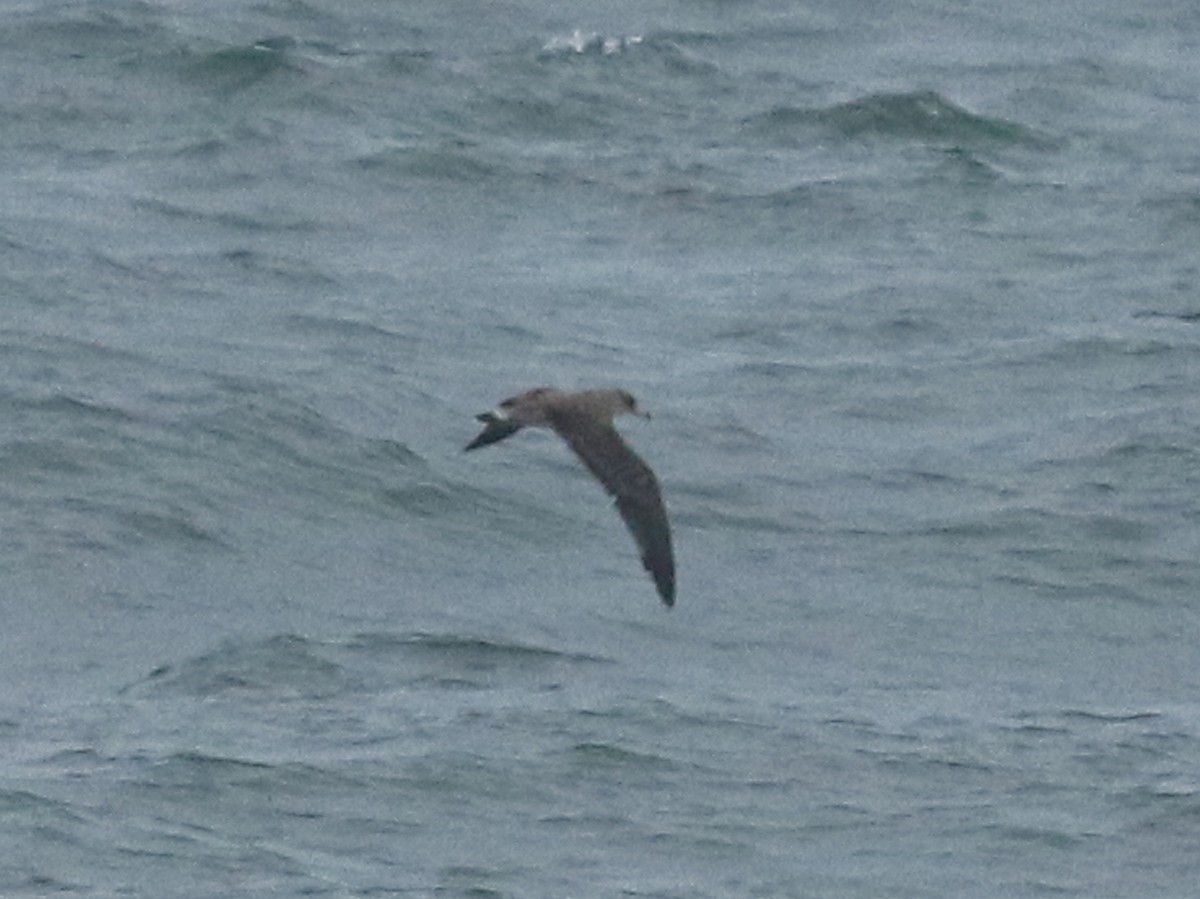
[596, 755]
[113, 465]
[467, 649]
[89, 29]
[273, 668]
[235, 69]
[288, 666]
[581, 42]
[918, 115]
[663, 49]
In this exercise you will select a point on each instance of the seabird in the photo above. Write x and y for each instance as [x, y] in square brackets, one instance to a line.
[584, 418]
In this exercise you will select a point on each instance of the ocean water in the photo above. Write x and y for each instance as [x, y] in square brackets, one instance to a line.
[912, 292]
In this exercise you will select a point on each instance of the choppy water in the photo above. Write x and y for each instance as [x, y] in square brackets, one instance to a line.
[912, 292]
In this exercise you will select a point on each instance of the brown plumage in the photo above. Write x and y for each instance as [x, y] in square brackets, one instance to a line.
[584, 419]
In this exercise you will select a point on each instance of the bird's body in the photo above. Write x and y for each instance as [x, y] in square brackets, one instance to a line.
[584, 419]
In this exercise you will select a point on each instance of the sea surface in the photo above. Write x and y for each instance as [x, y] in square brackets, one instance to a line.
[912, 292]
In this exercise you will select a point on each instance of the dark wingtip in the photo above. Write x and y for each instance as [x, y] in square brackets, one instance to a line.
[496, 429]
[478, 442]
[661, 567]
[665, 582]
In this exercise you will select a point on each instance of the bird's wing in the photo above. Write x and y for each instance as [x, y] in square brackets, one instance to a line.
[495, 428]
[634, 486]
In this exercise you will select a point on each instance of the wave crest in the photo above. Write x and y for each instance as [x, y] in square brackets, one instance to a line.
[590, 42]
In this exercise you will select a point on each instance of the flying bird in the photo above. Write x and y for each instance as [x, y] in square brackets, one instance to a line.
[584, 418]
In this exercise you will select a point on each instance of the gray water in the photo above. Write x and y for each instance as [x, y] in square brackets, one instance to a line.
[912, 292]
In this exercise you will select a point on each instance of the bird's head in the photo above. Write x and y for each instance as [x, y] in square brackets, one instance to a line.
[629, 405]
